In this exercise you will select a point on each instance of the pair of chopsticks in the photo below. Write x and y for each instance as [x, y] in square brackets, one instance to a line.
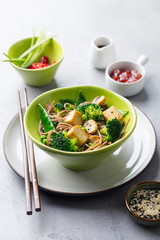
[28, 153]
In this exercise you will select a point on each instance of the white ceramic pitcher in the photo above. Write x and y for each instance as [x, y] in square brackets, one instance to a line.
[101, 52]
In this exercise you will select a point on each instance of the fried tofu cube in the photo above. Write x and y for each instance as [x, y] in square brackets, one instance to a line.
[79, 133]
[74, 118]
[101, 100]
[112, 112]
[91, 126]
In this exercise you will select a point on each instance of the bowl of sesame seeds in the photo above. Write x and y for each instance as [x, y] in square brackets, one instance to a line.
[143, 202]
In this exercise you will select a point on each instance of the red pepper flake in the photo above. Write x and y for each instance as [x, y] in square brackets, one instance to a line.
[39, 65]
[44, 63]
[44, 60]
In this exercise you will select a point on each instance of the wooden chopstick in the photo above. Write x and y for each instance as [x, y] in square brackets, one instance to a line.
[33, 165]
[25, 160]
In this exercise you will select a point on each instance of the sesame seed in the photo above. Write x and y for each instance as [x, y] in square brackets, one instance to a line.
[146, 203]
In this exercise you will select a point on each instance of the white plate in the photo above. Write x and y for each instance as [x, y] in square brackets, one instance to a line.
[122, 166]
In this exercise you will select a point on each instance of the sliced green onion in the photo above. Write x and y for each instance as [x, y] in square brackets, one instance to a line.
[36, 54]
[6, 55]
[31, 53]
[34, 47]
[37, 47]
[14, 60]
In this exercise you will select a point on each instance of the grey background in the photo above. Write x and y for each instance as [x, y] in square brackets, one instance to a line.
[134, 27]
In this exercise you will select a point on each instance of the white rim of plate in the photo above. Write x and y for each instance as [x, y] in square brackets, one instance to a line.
[81, 193]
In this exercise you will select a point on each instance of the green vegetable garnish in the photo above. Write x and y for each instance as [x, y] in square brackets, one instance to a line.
[45, 119]
[44, 139]
[123, 113]
[112, 130]
[13, 59]
[67, 100]
[91, 111]
[61, 142]
[85, 129]
[36, 50]
[58, 107]
[80, 98]
[31, 55]
[90, 144]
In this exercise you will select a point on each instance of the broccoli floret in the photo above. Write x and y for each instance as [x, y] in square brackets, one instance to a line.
[91, 111]
[103, 131]
[61, 142]
[58, 107]
[69, 107]
[112, 130]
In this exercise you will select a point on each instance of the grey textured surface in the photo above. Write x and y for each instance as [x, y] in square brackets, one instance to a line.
[134, 27]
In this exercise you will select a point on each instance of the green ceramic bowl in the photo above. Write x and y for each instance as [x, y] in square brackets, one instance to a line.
[147, 185]
[37, 77]
[78, 160]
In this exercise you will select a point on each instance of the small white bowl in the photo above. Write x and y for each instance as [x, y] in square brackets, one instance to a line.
[126, 89]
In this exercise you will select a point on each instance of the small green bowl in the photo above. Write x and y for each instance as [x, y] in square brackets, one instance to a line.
[42, 76]
[78, 160]
[147, 185]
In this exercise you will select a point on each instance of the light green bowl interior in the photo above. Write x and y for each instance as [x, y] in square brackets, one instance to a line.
[90, 92]
[54, 50]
